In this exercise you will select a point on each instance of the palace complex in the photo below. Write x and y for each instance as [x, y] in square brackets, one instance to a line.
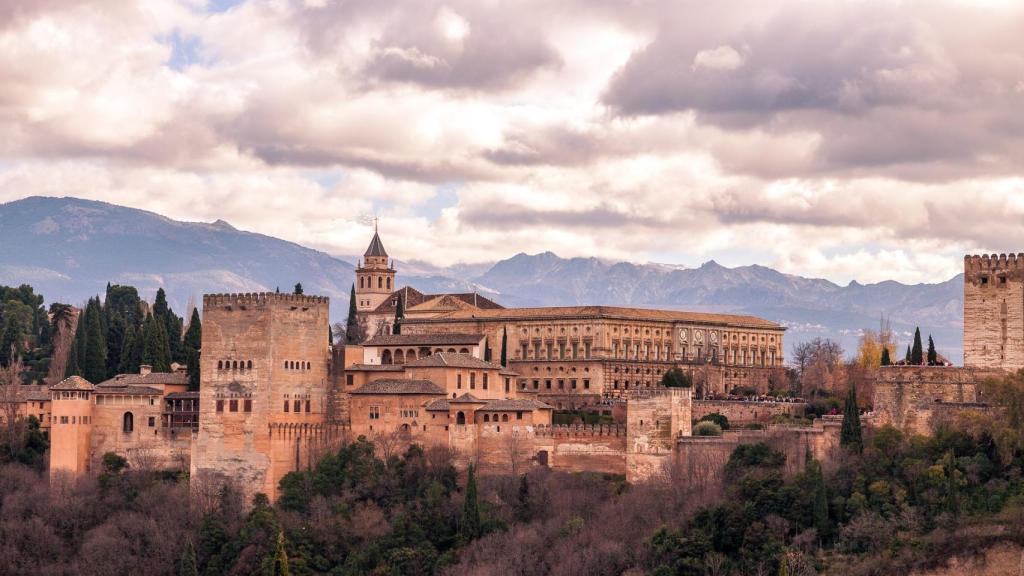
[482, 380]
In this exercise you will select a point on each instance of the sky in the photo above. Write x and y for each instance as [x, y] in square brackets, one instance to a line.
[851, 140]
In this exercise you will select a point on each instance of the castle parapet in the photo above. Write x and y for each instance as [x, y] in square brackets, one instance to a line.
[262, 299]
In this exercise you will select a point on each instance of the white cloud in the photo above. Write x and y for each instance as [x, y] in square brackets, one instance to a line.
[723, 58]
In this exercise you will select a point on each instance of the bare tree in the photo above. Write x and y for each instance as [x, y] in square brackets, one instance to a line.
[388, 443]
[715, 564]
[15, 430]
[514, 447]
[65, 319]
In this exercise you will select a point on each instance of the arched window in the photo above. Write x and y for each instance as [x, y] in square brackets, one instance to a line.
[128, 423]
[361, 279]
[249, 365]
[389, 283]
[410, 355]
[399, 357]
[220, 364]
[451, 350]
[504, 417]
[463, 351]
[460, 419]
[487, 417]
[380, 282]
[385, 357]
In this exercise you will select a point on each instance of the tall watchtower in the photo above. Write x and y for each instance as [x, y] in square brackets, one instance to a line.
[375, 278]
[71, 426]
[263, 394]
[994, 311]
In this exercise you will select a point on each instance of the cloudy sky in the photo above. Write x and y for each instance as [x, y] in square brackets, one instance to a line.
[849, 140]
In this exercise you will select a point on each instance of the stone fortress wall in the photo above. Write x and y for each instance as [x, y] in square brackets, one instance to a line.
[994, 311]
[265, 389]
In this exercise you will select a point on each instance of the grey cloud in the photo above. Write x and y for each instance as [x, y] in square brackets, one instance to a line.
[893, 87]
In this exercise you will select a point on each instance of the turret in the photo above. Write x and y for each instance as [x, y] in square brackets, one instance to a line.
[375, 277]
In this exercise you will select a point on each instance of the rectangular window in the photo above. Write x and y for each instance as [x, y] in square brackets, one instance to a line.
[374, 412]
[550, 349]
[307, 406]
[508, 385]
[523, 352]
[547, 384]
[519, 415]
[247, 405]
[297, 407]
[561, 350]
[586, 384]
[458, 381]
[350, 379]
[233, 405]
[220, 405]
[286, 405]
[63, 419]
[573, 384]
[472, 380]
[152, 421]
[485, 380]
[561, 384]
[536, 384]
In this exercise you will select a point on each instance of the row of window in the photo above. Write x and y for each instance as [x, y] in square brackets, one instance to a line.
[561, 384]
[472, 381]
[75, 419]
[239, 365]
[296, 405]
[119, 400]
[401, 356]
[574, 351]
[504, 417]
[232, 405]
[297, 365]
[365, 282]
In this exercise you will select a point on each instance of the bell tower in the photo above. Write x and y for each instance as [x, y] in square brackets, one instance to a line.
[375, 277]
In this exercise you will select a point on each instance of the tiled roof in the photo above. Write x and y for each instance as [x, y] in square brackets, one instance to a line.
[376, 367]
[423, 339]
[146, 379]
[74, 383]
[399, 386]
[413, 297]
[516, 405]
[376, 247]
[182, 395]
[33, 393]
[439, 405]
[615, 312]
[131, 390]
[443, 359]
[467, 398]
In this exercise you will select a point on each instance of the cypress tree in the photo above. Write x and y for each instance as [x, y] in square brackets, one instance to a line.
[933, 356]
[129, 363]
[73, 368]
[352, 323]
[850, 433]
[155, 350]
[886, 361]
[194, 334]
[908, 355]
[470, 509]
[820, 509]
[281, 557]
[188, 564]
[94, 363]
[116, 333]
[298, 288]
[160, 307]
[917, 352]
[504, 347]
[192, 366]
[396, 328]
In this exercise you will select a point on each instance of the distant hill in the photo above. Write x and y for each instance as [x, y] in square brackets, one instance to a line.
[70, 248]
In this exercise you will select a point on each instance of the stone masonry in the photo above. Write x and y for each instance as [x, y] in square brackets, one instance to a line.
[994, 311]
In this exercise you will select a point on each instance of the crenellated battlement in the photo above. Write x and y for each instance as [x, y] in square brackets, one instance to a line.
[262, 299]
[579, 430]
[974, 263]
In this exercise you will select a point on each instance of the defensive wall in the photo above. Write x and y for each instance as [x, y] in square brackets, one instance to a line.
[915, 399]
[748, 412]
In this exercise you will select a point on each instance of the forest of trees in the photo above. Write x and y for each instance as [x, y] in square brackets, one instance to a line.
[122, 332]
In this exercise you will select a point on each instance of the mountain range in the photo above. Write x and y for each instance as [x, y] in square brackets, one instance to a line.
[70, 248]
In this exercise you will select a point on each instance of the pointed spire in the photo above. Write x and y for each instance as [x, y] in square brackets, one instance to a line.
[376, 248]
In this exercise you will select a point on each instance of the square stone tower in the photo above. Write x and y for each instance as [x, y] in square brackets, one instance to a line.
[994, 311]
[264, 388]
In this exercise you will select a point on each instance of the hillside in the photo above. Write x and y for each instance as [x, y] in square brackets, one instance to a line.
[70, 248]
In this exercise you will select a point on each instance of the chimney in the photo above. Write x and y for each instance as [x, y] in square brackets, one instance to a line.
[145, 369]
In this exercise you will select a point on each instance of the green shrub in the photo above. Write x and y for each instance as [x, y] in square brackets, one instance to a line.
[705, 428]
